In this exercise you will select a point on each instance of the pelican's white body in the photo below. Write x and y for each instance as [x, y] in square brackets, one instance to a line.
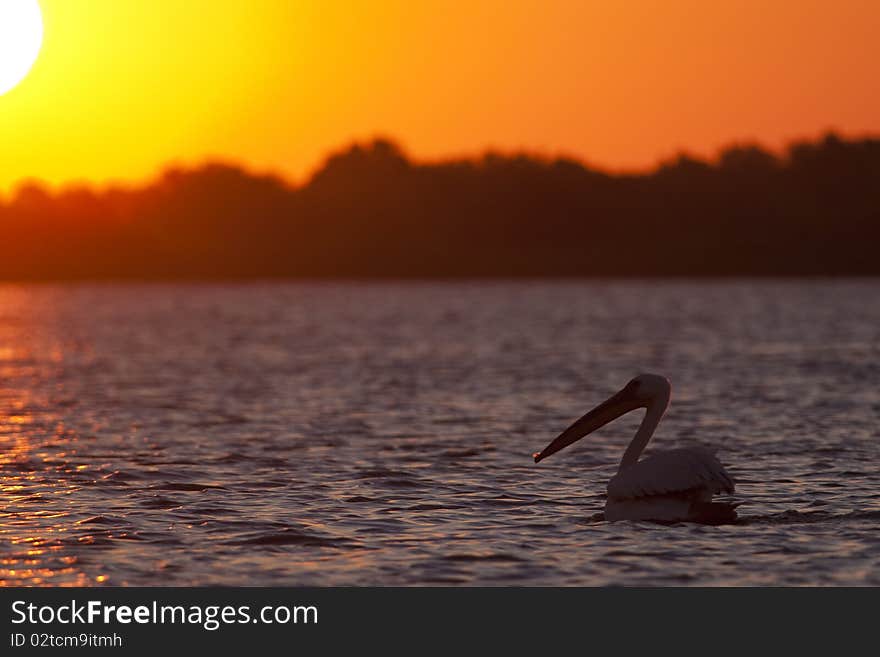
[668, 486]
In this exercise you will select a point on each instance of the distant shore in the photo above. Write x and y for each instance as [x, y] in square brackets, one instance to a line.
[371, 213]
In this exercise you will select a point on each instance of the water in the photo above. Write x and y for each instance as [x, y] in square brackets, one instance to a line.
[323, 434]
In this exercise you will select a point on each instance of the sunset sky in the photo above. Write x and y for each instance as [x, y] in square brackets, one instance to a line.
[123, 87]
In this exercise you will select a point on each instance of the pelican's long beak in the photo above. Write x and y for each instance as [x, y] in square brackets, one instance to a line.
[611, 409]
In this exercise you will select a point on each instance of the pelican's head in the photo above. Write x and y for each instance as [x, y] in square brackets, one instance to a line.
[643, 391]
[648, 387]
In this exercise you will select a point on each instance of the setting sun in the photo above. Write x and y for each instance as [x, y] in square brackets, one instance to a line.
[21, 35]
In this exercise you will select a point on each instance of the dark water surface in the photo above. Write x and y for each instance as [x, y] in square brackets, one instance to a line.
[380, 433]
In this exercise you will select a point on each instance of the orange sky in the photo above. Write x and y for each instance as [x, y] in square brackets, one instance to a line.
[123, 87]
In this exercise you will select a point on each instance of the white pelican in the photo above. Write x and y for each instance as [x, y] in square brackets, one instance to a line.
[671, 486]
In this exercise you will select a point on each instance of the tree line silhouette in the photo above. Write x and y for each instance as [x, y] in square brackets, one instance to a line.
[369, 211]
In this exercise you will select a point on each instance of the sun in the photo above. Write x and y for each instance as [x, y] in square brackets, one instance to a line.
[21, 35]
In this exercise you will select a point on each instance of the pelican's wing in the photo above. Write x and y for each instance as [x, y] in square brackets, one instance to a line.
[672, 472]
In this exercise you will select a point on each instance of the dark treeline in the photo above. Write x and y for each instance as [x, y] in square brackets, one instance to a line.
[369, 211]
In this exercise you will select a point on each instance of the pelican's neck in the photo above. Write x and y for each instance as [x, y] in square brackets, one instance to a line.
[654, 413]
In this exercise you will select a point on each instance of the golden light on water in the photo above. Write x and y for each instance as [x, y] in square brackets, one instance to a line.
[35, 471]
[36, 540]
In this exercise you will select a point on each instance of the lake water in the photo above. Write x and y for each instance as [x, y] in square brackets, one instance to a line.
[324, 434]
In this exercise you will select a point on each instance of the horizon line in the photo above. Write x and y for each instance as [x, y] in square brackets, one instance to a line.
[106, 184]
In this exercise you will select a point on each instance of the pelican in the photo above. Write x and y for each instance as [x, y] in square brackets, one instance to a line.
[672, 486]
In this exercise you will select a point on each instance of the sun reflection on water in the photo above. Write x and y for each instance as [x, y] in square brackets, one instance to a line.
[34, 539]
[35, 467]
